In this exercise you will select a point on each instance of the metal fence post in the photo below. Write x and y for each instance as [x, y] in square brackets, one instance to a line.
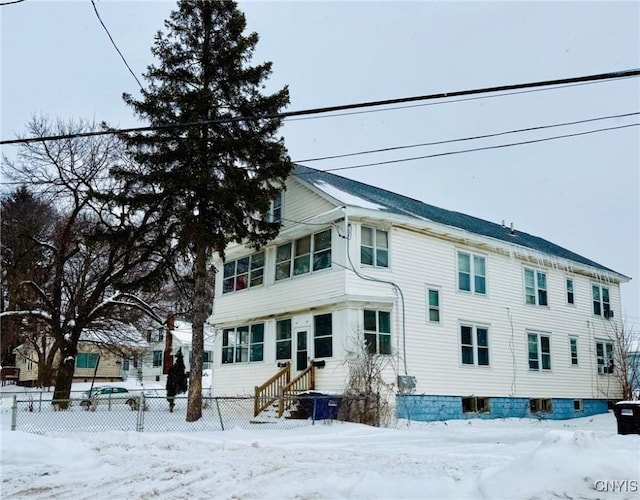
[14, 412]
[140, 419]
[40, 403]
[219, 414]
[378, 409]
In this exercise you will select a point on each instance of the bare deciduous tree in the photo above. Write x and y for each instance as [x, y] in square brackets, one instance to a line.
[99, 254]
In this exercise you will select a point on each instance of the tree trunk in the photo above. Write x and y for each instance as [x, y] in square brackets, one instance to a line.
[64, 380]
[194, 404]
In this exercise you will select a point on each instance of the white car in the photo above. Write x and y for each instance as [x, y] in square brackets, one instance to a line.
[107, 396]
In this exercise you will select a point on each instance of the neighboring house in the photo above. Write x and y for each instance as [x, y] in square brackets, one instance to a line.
[490, 321]
[165, 342]
[93, 351]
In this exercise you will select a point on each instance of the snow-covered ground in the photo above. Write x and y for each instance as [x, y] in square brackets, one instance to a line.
[498, 459]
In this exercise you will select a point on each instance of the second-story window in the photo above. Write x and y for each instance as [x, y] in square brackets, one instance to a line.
[601, 304]
[374, 247]
[570, 295]
[539, 346]
[304, 255]
[472, 276]
[535, 287]
[243, 273]
[275, 211]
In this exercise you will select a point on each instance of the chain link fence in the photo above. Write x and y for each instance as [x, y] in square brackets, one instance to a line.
[150, 412]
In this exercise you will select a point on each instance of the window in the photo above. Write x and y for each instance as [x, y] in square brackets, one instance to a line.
[283, 339]
[243, 273]
[374, 247]
[573, 348]
[322, 336]
[474, 345]
[207, 359]
[472, 273]
[157, 358]
[601, 305]
[604, 357]
[539, 351]
[304, 255]
[275, 211]
[540, 405]
[535, 287]
[243, 344]
[475, 405]
[577, 405]
[88, 360]
[570, 296]
[434, 305]
[377, 331]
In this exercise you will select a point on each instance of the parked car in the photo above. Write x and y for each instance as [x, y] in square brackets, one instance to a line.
[108, 395]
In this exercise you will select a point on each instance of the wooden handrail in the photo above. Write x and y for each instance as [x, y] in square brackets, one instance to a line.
[305, 381]
[271, 390]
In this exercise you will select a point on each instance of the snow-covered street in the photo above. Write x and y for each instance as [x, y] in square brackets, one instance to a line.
[499, 459]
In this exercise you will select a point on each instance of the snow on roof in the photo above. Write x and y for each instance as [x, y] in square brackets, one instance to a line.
[344, 197]
[183, 333]
[114, 333]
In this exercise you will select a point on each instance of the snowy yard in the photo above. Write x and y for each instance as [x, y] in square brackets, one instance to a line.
[498, 459]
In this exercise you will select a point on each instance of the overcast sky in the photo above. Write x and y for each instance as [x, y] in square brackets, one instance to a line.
[581, 192]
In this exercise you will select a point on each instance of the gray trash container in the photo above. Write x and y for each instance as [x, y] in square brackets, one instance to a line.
[628, 416]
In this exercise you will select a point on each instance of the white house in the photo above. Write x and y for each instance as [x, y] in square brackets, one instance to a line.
[164, 344]
[485, 319]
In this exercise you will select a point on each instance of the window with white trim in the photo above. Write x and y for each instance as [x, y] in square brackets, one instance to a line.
[374, 247]
[283, 339]
[244, 344]
[276, 208]
[601, 304]
[304, 255]
[433, 298]
[573, 349]
[243, 273]
[474, 345]
[535, 287]
[472, 276]
[473, 404]
[157, 358]
[570, 294]
[539, 347]
[323, 336]
[377, 331]
[604, 357]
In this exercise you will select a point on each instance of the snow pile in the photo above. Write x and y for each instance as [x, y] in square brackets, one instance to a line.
[497, 459]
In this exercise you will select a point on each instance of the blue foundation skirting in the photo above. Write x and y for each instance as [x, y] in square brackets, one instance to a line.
[426, 408]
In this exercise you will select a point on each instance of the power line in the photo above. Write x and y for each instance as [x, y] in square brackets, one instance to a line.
[412, 106]
[11, 3]
[95, 9]
[499, 146]
[313, 111]
[448, 141]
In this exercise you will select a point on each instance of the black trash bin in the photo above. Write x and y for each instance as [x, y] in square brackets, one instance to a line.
[628, 416]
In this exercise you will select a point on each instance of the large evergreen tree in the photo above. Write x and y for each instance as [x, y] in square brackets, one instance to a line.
[215, 180]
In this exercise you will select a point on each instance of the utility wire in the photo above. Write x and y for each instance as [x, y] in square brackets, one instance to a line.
[485, 136]
[449, 153]
[499, 146]
[10, 3]
[95, 9]
[412, 106]
[329, 109]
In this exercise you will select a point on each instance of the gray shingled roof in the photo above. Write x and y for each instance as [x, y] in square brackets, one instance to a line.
[403, 205]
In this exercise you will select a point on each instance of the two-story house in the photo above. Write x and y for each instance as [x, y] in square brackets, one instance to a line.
[483, 319]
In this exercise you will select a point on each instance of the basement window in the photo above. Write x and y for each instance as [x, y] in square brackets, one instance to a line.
[474, 404]
[539, 405]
